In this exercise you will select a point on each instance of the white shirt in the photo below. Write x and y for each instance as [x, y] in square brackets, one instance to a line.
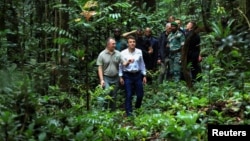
[137, 65]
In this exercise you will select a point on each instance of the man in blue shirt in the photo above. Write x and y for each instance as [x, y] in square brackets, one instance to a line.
[120, 42]
[132, 74]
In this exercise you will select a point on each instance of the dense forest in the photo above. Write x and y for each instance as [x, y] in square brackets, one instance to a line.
[49, 87]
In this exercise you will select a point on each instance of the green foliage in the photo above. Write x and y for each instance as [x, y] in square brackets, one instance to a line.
[170, 113]
[221, 32]
[33, 105]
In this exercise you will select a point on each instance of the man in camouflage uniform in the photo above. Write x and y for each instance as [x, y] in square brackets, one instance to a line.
[176, 41]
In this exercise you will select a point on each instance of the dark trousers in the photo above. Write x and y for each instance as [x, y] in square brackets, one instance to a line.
[133, 81]
[195, 70]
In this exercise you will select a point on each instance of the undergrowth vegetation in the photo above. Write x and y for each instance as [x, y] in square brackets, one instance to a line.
[170, 111]
[49, 86]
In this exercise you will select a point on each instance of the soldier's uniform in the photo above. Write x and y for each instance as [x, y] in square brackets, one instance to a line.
[176, 41]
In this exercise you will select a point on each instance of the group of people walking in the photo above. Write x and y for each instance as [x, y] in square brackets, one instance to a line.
[128, 56]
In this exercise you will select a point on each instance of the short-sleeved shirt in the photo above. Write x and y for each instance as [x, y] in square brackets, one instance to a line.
[176, 40]
[109, 62]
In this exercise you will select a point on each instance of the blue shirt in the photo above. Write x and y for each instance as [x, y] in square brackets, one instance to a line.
[137, 65]
[121, 44]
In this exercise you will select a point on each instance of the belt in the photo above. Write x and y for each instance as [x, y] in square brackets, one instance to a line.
[132, 72]
[111, 76]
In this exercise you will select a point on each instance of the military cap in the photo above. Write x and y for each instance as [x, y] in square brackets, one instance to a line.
[174, 24]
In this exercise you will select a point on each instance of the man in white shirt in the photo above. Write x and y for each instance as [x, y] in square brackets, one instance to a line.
[132, 74]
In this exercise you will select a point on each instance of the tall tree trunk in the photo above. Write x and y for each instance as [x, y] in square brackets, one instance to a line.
[37, 19]
[2, 15]
[14, 50]
[205, 10]
[63, 24]
[40, 17]
[185, 70]
[248, 9]
[151, 4]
